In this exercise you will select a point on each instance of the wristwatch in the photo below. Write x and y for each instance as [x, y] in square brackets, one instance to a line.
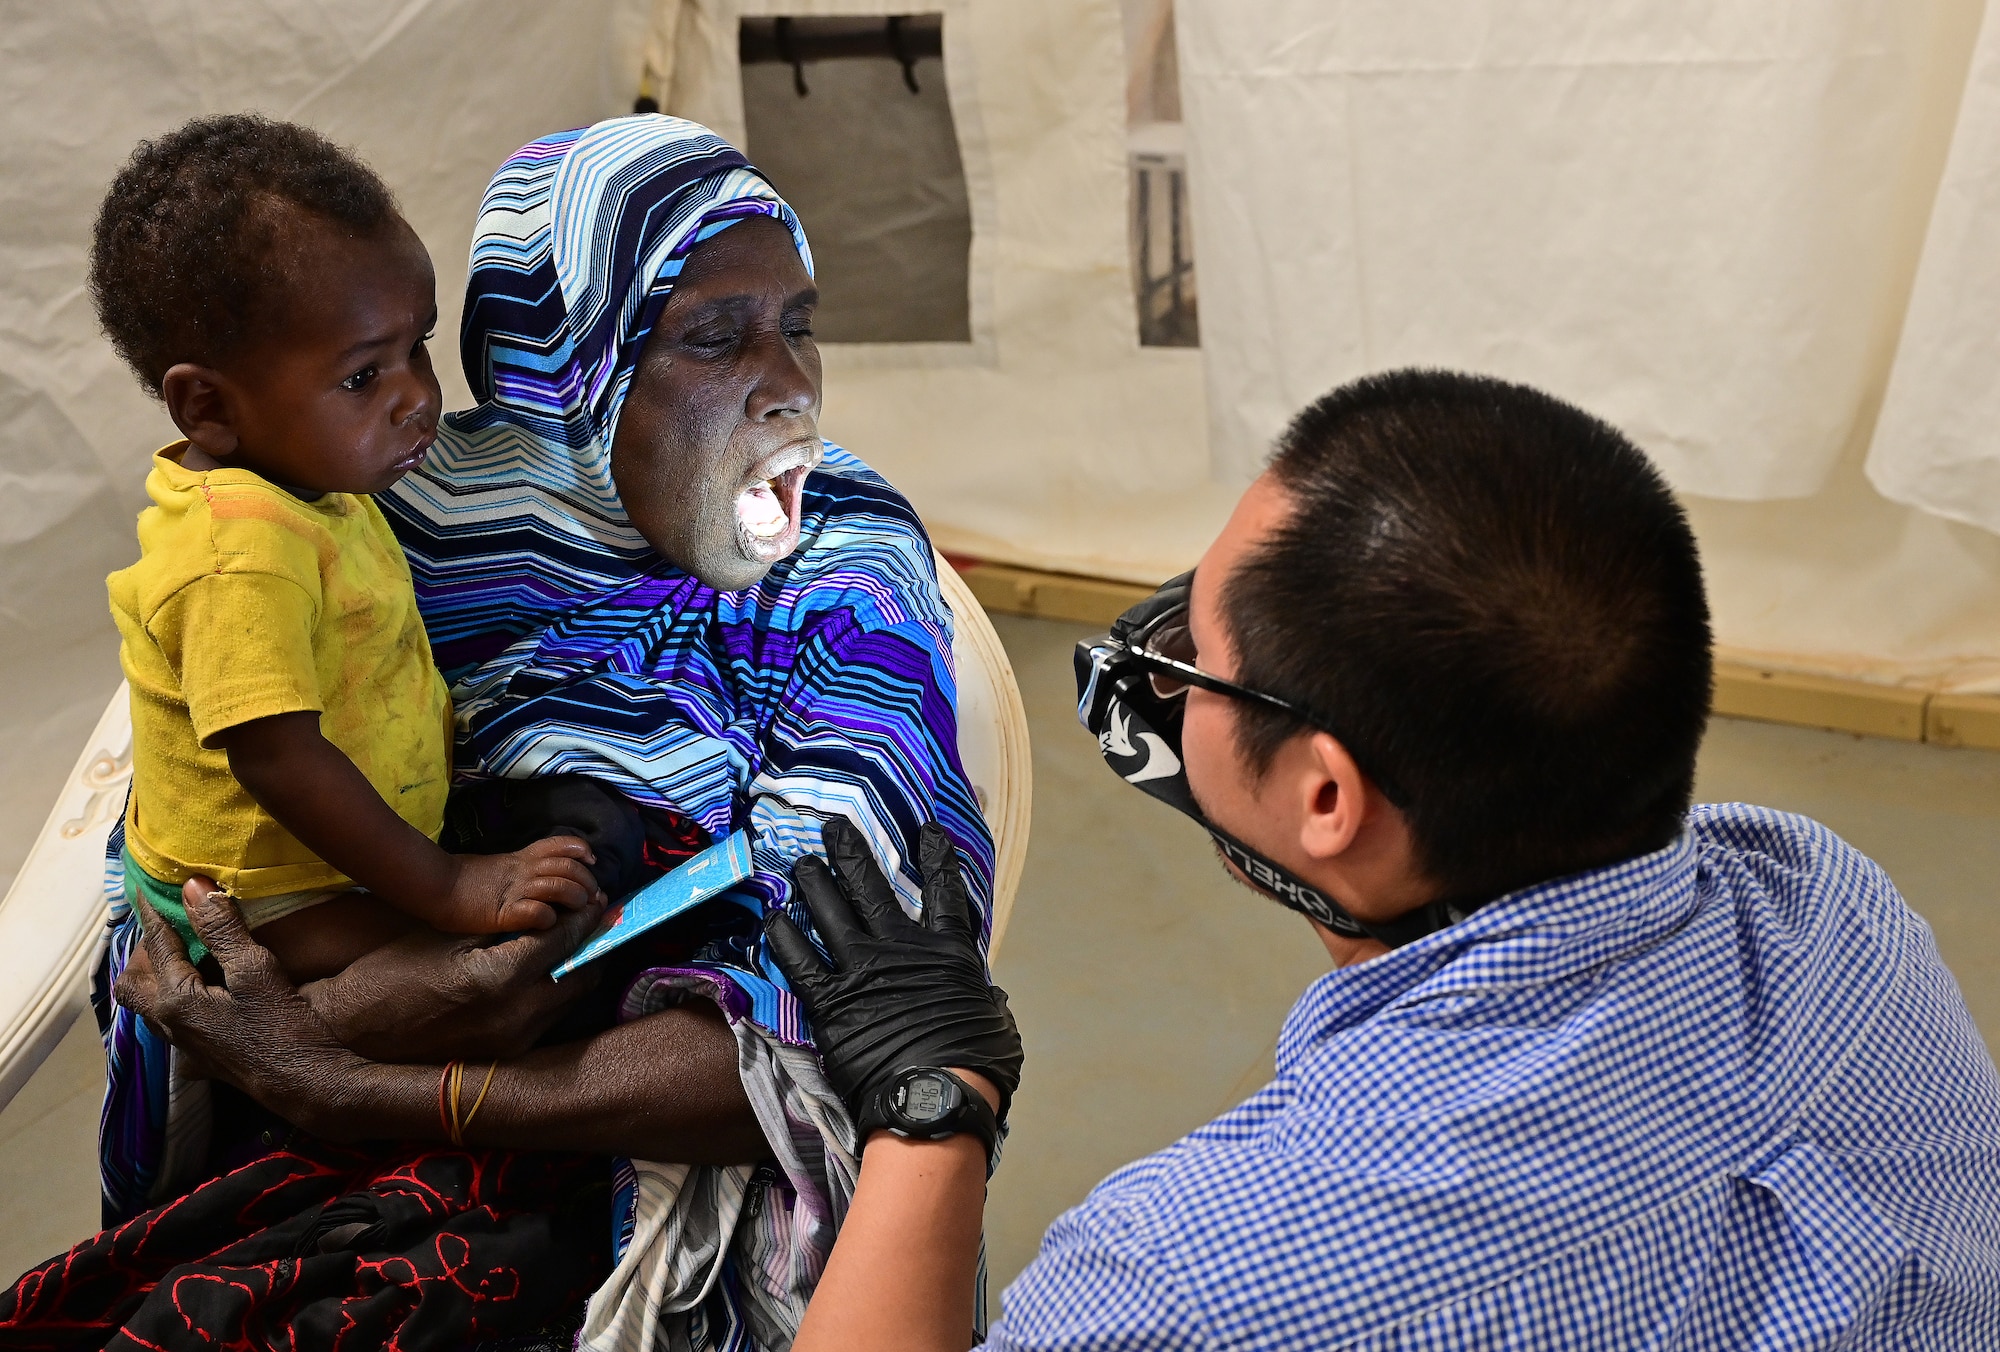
[929, 1103]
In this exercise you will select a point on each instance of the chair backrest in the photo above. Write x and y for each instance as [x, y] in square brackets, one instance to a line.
[52, 918]
[992, 740]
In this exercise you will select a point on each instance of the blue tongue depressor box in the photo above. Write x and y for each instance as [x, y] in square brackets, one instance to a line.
[709, 874]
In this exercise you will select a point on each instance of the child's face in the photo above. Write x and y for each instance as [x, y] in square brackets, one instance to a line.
[337, 395]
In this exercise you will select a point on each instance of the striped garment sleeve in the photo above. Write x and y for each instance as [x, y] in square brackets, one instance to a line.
[867, 729]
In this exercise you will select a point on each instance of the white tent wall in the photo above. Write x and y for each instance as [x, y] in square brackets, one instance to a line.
[1703, 227]
[1701, 223]
[432, 93]
[1936, 446]
[1052, 439]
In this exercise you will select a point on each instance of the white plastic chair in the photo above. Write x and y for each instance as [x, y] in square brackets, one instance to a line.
[992, 741]
[52, 919]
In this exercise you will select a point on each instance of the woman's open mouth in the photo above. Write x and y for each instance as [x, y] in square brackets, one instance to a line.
[768, 510]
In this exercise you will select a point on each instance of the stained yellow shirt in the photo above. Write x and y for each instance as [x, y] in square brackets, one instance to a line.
[247, 602]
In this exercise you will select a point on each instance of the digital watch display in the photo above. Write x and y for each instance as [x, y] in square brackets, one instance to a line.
[929, 1103]
[921, 1100]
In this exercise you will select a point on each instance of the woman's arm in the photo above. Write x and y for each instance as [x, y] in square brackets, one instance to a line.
[663, 1087]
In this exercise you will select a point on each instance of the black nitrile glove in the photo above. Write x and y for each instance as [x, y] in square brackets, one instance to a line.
[902, 994]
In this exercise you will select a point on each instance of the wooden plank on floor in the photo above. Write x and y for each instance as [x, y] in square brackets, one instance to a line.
[1003, 591]
[1808, 701]
[1051, 596]
[1963, 720]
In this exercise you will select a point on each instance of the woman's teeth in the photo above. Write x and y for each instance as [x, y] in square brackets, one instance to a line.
[759, 510]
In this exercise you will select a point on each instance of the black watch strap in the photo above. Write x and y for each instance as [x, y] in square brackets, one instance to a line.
[972, 1114]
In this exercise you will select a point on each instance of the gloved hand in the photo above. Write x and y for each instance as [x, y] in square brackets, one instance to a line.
[900, 994]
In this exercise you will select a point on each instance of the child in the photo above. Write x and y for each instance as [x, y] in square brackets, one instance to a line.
[291, 734]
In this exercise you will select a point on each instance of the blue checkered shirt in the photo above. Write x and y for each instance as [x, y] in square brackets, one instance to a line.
[1722, 1096]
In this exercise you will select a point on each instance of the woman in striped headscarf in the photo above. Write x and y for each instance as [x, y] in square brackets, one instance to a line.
[637, 562]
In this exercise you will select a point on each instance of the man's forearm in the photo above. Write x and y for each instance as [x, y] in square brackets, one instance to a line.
[899, 994]
[902, 1274]
[665, 1087]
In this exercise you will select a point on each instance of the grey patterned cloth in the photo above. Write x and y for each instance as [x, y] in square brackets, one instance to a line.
[773, 1228]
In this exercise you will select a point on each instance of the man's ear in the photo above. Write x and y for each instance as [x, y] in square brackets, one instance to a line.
[203, 403]
[1337, 801]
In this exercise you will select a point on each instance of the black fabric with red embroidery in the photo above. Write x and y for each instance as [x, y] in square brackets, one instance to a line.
[633, 842]
[316, 1246]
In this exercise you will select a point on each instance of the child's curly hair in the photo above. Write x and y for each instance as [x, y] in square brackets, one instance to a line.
[183, 259]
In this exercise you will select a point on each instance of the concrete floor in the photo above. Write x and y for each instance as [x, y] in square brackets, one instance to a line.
[1151, 991]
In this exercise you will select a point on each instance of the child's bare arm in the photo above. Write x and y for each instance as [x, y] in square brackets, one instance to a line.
[321, 797]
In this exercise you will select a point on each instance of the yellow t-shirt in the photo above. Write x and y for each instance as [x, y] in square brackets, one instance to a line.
[248, 602]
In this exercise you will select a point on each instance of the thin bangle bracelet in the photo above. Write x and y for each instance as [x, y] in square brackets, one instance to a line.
[444, 1117]
[482, 1096]
[458, 1120]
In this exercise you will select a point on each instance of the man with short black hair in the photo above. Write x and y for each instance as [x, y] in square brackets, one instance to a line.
[1594, 1070]
[1494, 594]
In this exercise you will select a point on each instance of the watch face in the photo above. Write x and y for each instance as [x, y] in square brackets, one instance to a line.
[924, 1098]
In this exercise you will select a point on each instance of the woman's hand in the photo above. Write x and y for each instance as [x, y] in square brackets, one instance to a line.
[257, 1032]
[661, 1087]
[423, 998]
[430, 997]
